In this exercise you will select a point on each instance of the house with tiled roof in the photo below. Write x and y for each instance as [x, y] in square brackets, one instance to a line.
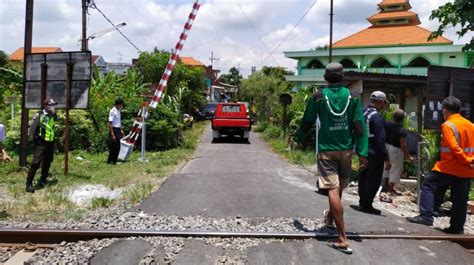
[394, 43]
[17, 56]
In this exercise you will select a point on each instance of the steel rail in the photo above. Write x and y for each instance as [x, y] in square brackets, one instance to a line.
[52, 236]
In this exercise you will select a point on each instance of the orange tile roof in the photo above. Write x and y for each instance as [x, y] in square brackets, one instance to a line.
[395, 15]
[393, 2]
[18, 54]
[190, 61]
[389, 36]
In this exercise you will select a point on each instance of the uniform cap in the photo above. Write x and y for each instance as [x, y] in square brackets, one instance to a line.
[49, 102]
[378, 95]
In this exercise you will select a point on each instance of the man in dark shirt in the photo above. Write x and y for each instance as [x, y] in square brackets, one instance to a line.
[371, 177]
[397, 150]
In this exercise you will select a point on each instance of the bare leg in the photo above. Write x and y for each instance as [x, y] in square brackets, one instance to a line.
[391, 187]
[337, 212]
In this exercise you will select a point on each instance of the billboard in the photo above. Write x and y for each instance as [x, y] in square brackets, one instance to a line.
[51, 70]
[445, 81]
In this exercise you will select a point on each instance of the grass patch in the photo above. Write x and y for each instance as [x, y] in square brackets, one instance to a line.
[138, 179]
[296, 156]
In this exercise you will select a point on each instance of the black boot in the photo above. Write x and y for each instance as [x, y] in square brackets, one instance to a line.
[29, 188]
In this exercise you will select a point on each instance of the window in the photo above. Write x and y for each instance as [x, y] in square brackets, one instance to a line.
[348, 63]
[231, 108]
[381, 63]
[419, 62]
[452, 57]
[315, 64]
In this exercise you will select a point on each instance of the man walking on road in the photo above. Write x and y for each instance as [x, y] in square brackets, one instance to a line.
[342, 125]
[43, 132]
[455, 168]
[371, 177]
[115, 130]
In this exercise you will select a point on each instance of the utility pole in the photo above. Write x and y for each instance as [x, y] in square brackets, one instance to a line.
[331, 15]
[24, 111]
[212, 59]
[84, 46]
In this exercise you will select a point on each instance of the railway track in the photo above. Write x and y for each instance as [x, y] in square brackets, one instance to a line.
[47, 237]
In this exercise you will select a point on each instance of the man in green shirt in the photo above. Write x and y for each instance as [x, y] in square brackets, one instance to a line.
[342, 127]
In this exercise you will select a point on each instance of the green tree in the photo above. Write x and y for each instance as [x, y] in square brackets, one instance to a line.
[264, 91]
[232, 78]
[452, 14]
[3, 58]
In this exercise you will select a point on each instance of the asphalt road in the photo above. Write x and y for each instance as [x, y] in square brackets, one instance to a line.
[232, 178]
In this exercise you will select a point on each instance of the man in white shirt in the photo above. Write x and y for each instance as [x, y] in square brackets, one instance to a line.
[115, 131]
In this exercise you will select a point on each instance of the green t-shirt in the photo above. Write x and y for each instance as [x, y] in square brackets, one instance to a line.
[341, 119]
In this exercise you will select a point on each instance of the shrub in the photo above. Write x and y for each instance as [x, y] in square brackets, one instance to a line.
[272, 132]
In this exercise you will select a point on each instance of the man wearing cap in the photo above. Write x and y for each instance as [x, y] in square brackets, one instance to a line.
[43, 133]
[371, 177]
[115, 130]
[342, 126]
[455, 169]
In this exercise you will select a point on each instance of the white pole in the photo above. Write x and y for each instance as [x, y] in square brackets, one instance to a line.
[144, 115]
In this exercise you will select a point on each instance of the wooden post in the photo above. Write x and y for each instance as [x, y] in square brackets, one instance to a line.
[84, 44]
[24, 111]
[331, 15]
[66, 122]
[44, 75]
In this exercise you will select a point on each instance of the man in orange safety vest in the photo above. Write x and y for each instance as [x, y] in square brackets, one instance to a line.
[455, 168]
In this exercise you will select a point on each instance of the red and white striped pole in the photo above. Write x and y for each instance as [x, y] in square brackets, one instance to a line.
[174, 57]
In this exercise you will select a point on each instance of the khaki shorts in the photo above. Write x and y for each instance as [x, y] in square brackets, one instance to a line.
[335, 169]
[396, 158]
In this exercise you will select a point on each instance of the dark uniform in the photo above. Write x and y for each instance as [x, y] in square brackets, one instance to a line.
[371, 177]
[44, 133]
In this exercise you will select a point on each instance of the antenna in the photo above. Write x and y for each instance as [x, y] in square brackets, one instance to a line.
[212, 59]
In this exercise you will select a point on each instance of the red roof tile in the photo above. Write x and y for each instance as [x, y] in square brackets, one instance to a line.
[190, 61]
[19, 53]
[389, 36]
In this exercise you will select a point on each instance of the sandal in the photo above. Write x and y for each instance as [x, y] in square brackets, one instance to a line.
[328, 222]
[385, 198]
[345, 250]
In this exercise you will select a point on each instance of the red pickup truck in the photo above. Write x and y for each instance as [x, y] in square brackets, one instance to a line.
[231, 119]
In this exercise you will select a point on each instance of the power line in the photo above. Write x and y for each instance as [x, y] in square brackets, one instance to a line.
[255, 29]
[291, 31]
[94, 6]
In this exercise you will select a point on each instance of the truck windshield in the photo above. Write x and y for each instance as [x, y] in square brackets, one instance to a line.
[231, 108]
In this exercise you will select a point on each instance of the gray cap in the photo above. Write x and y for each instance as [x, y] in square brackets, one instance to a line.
[334, 69]
[378, 95]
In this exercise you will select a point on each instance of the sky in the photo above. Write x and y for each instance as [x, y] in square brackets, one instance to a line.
[240, 33]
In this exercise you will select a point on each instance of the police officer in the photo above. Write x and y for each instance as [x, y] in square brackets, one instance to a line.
[455, 169]
[371, 177]
[43, 132]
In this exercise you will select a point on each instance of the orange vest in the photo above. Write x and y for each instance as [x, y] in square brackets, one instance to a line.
[457, 147]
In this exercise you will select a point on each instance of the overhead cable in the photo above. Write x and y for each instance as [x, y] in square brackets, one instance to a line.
[256, 32]
[291, 31]
[94, 6]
